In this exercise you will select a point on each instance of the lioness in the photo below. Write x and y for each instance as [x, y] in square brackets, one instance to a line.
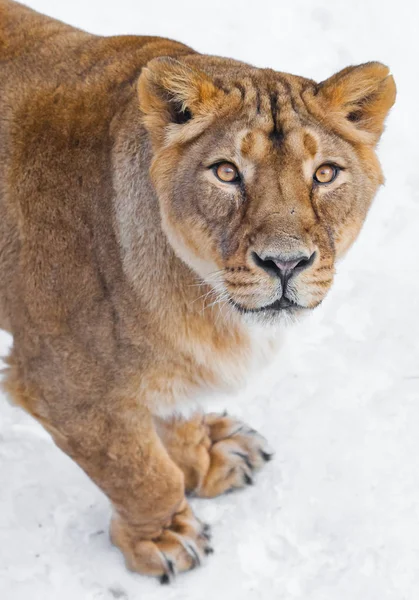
[161, 212]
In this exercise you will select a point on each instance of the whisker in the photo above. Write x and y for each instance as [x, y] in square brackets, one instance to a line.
[210, 276]
[221, 298]
[219, 273]
[211, 291]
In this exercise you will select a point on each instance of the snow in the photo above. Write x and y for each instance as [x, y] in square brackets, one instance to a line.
[336, 515]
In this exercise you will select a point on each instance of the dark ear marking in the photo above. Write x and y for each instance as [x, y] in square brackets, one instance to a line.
[180, 114]
[171, 92]
[354, 116]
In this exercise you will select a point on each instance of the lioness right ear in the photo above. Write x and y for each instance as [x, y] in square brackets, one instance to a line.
[171, 92]
[358, 99]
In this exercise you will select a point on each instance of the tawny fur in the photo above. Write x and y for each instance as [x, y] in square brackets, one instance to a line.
[123, 259]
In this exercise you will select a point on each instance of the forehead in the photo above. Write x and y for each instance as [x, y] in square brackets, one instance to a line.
[255, 144]
[272, 120]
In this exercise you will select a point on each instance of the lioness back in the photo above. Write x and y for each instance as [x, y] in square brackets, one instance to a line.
[51, 76]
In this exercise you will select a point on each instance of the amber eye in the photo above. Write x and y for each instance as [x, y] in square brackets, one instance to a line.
[326, 173]
[227, 172]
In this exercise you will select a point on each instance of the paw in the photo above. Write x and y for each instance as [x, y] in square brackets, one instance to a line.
[179, 547]
[236, 452]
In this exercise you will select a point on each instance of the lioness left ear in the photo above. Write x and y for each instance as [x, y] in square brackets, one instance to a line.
[359, 99]
[171, 92]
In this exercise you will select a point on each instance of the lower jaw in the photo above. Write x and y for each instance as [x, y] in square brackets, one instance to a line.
[276, 307]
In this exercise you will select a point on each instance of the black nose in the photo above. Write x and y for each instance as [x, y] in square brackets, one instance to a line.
[284, 267]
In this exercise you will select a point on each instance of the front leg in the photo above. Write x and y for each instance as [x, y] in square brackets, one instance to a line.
[217, 453]
[116, 444]
[153, 524]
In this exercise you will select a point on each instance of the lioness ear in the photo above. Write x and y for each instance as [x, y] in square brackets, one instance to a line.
[359, 98]
[171, 92]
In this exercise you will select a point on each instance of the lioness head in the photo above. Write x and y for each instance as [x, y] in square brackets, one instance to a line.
[264, 179]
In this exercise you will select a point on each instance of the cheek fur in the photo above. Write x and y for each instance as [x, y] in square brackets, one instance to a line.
[197, 197]
[216, 205]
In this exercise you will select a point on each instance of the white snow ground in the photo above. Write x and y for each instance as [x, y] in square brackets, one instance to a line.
[336, 515]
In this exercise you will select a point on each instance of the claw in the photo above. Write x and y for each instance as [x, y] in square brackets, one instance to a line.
[170, 566]
[239, 429]
[248, 479]
[206, 531]
[191, 549]
[245, 458]
[170, 570]
[252, 431]
[209, 550]
[266, 456]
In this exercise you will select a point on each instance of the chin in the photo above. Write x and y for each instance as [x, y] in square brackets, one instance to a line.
[276, 314]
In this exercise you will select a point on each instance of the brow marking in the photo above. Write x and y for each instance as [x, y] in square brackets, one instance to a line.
[276, 135]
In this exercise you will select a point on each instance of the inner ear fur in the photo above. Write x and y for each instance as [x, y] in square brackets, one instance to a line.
[358, 100]
[171, 92]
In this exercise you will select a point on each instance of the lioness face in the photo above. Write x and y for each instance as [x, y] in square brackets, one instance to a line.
[264, 179]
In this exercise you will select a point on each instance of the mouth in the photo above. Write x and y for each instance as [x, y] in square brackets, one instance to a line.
[282, 304]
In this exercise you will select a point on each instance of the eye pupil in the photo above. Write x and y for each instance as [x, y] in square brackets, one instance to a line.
[227, 172]
[326, 173]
